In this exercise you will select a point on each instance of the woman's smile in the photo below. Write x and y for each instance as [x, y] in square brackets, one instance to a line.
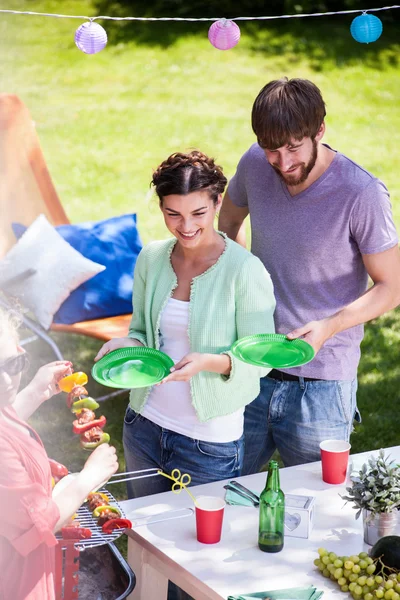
[188, 236]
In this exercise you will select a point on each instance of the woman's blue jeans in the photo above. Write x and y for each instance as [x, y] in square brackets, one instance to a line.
[146, 445]
[294, 417]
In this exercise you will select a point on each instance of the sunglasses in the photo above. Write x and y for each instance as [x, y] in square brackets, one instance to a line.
[15, 365]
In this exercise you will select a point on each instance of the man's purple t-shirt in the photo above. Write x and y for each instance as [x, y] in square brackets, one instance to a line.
[312, 243]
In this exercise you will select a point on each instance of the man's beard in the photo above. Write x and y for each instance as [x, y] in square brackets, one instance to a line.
[305, 169]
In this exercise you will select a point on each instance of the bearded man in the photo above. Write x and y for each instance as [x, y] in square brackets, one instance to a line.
[321, 224]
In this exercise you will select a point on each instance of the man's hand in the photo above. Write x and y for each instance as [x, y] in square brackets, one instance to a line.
[315, 333]
[45, 383]
[187, 367]
[115, 344]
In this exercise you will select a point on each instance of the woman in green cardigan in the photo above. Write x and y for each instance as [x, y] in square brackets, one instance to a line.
[193, 296]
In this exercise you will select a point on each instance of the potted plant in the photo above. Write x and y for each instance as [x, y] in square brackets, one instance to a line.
[375, 492]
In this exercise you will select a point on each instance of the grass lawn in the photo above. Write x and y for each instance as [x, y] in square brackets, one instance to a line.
[106, 121]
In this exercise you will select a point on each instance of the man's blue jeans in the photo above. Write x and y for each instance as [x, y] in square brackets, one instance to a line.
[147, 445]
[294, 417]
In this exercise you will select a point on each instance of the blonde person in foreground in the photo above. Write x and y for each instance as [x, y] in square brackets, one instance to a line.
[29, 514]
[194, 295]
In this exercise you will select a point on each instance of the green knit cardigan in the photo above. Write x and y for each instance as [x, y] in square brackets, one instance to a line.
[230, 300]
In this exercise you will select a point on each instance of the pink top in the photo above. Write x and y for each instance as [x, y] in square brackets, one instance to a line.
[27, 515]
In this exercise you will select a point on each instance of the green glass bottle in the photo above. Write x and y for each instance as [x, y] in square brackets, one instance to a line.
[272, 512]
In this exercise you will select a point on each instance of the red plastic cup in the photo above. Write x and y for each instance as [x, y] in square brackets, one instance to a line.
[209, 517]
[334, 459]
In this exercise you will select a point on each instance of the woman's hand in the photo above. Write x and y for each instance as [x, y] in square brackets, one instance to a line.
[45, 383]
[101, 464]
[187, 367]
[124, 342]
[42, 387]
[193, 363]
[99, 467]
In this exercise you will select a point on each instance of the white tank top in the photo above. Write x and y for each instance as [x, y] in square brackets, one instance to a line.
[170, 405]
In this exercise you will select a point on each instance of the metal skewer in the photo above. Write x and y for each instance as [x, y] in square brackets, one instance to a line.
[166, 515]
[131, 475]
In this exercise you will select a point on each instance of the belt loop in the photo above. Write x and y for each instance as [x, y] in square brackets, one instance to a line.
[301, 383]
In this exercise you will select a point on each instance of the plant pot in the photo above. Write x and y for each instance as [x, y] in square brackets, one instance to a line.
[377, 525]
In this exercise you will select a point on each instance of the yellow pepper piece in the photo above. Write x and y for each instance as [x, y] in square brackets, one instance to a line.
[66, 384]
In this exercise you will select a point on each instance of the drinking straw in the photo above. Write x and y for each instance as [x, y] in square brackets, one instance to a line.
[181, 481]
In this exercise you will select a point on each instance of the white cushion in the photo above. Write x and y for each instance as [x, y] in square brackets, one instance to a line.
[59, 269]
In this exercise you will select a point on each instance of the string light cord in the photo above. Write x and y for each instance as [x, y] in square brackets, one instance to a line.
[200, 19]
[223, 33]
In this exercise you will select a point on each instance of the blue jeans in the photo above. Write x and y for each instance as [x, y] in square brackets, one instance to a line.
[294, 417]
[146, 445]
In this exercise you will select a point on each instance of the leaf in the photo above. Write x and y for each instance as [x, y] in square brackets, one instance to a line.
[355, 478]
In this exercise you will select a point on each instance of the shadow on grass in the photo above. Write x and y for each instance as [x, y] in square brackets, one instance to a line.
[323, 41]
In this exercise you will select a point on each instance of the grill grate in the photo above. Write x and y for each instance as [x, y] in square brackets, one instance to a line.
[85, 518]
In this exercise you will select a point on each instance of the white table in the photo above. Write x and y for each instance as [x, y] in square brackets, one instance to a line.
[169, 549]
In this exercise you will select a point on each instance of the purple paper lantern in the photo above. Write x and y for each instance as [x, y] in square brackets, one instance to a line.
[224, 34]
[90, 37]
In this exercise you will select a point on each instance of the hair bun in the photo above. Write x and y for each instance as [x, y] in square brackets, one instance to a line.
[183, 173]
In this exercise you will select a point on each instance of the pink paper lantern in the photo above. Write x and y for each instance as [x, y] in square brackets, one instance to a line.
[90, 37]
[224, 34]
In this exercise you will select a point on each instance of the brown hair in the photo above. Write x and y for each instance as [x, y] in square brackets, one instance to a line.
[287, 109]
[185, 173]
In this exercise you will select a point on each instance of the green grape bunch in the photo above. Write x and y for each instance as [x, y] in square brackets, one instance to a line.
[359, 575]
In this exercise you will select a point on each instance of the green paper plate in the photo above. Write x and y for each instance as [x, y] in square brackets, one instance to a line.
[133, 367]
[272, 350]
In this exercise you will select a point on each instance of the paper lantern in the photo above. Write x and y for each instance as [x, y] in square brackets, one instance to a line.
[90, 37]
[366, 28]
[224, 34]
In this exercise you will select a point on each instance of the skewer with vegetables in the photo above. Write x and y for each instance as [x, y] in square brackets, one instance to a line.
[108, 517]
[86, 425]
[90, 429]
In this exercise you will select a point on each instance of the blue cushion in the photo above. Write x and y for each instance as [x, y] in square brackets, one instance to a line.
[114, 243]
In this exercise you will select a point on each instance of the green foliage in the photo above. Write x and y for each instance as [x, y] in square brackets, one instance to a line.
[376, 488]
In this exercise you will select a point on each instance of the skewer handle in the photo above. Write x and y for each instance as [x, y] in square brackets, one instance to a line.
[131, 475]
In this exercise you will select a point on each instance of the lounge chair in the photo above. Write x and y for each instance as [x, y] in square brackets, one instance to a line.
[26, 191]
